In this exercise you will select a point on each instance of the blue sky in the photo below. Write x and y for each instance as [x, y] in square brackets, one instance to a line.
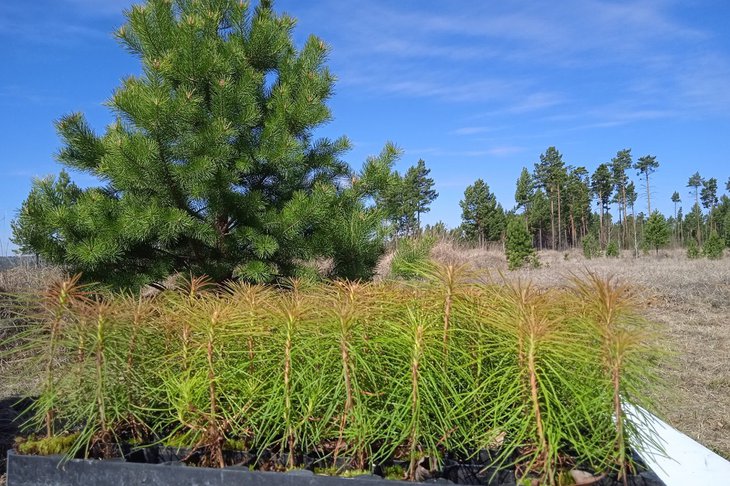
[477, 89]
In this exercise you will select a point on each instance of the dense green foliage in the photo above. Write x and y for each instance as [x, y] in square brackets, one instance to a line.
[210, 165]
[555, 201]
[612, 250]
[518, 245]
[713, 247]
[411, 256]
[591, 248]
[656, 233]
[482, 217]
[366, 372]
[405, 198]
[693, 250]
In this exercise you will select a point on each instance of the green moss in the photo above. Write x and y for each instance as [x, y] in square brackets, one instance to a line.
[333, 471]
[353, 473]
[58, 444]
[236, 445]
[394, 472]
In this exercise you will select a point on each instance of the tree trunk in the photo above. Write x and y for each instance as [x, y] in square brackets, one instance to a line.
[697, 203]
[574, 240]
[552, 222]
[560, 232]
[624, 228]
[636, 241]
[600, 220]
[676, 225]
[648, 196]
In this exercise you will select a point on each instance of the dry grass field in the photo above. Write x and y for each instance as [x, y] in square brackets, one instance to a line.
[689, 298]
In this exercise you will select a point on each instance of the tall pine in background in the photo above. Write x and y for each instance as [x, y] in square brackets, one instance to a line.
[695, 181]
[602, 184]
[619, 165]
[420, 189]
[210, 165]
[482, 217]
[550, 175]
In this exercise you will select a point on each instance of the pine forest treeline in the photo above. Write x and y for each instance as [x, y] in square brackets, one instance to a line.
[561, 205]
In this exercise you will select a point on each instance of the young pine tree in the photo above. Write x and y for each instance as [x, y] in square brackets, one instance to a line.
[695, 182]
[210, 166]
[481, 215]
[420, 189]
[518, 245]
[656, 231]
[714, 246]
[524, 193]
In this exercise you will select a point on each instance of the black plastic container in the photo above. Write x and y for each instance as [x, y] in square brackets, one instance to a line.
[27, 470]
[52, 470]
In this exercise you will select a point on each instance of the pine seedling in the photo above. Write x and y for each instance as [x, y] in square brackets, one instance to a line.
[535, 390]
[254, 303]
[450, 282]
[484, 368]
[57, 302]
[415, 405]
[95, 401]
[138, 313]
[204, 400]
[346, 303]
[249, 352]
[627, 352]
[289, 417]
[346, 318]
[191, 288]
[418, 394]
[292, 310]
[101, 316]
[216, 312]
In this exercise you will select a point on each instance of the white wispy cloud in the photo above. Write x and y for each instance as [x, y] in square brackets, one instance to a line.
[492, 151]
[471, 130]
[505, 150]
[16, 95]
[64, 22]
[529, 58]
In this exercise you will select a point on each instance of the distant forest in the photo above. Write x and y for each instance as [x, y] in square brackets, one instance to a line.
[564, 205]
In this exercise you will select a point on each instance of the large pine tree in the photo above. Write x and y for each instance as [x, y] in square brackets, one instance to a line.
[420, 189]
[550, 175]
[482, 216]
[602, 187]
[619, 165]
[210, 165]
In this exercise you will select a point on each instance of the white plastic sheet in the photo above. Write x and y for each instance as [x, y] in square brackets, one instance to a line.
[684, 461]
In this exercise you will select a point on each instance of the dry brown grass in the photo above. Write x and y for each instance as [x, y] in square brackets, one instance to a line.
[16, 377]
[690, 298]
[27, 276]
[19, 378]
